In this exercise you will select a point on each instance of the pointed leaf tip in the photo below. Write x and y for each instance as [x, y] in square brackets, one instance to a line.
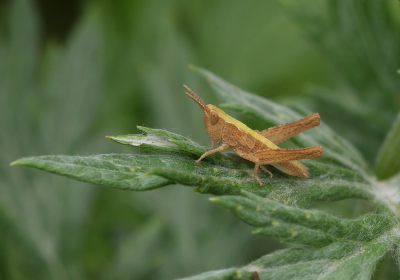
[21, 161]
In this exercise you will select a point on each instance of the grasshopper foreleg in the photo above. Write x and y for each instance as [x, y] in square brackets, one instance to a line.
[220, 148]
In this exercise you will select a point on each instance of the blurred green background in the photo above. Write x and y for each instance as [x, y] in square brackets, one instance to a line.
[72, 72]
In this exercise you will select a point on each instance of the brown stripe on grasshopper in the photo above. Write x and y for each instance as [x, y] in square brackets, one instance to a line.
[255, 146]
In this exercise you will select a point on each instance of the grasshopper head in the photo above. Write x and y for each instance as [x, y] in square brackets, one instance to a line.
[214, 118]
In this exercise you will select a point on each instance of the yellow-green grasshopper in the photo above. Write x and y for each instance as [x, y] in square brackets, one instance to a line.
[258, 146]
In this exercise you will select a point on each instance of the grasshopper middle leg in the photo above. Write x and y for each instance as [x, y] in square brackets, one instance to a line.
[256, 160]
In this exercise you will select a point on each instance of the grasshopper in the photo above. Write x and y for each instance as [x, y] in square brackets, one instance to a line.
[257, 146]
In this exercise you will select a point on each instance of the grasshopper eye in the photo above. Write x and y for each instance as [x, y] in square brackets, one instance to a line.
[214, 118]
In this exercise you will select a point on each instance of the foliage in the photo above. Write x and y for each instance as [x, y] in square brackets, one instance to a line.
[123, 64]
[351, 39]
[348, 249]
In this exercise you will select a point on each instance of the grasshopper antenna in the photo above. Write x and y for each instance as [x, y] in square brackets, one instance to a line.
[196, 98]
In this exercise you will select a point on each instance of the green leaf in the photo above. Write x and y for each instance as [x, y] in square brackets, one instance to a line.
[349, 249]
[311, 227]
[124, 172]
[388, 161]
[339, 260]
[218, 174]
